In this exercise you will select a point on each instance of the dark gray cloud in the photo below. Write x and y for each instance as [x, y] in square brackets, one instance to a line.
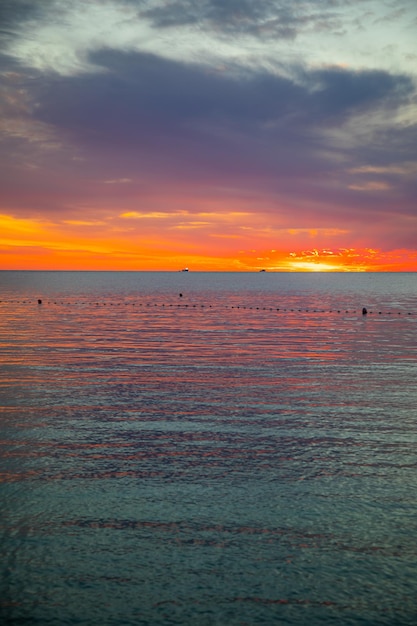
[14, 12]
[171, 123]
[266, 18]
[142, 87]
[152, 104]
[339, 92]
[139, 88]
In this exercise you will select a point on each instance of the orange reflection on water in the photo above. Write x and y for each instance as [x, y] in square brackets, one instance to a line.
[150, 388]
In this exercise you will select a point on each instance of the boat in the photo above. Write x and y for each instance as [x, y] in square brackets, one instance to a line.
[185, 269]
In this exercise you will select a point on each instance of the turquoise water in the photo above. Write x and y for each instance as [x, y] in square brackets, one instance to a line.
[244, 453]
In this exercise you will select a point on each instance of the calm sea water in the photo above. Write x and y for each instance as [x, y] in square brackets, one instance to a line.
[242, 454]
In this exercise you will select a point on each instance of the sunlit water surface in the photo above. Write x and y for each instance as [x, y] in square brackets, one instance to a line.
[244, 453]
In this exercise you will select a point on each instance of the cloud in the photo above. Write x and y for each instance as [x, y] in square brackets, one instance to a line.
[372, 185]
[136, 215]
[337, 91]
[259, 131]
[57, 36]
[13, 12]
[264, 17]
[117, 181]
[141, 95]
[407, 169]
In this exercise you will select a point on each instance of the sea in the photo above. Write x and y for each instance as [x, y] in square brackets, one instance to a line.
[208, 449]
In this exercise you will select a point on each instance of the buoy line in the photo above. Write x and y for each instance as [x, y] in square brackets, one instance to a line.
[364, 312]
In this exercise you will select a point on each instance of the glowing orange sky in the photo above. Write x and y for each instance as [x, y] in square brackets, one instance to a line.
[88, 245]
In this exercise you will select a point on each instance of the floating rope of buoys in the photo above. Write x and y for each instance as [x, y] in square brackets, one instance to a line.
[365, 312]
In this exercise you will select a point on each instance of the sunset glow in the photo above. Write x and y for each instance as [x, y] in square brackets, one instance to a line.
[153, 136]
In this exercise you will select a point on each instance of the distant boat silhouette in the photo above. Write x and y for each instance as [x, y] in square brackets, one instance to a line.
[185, 269]
[262, 270]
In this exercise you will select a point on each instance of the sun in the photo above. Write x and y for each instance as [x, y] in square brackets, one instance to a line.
[318, 266]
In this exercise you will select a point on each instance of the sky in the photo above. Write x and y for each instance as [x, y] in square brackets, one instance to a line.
[226, 135]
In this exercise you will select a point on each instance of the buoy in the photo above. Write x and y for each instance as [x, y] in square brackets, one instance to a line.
[180, 295]
[39, 301]
[364, 311]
